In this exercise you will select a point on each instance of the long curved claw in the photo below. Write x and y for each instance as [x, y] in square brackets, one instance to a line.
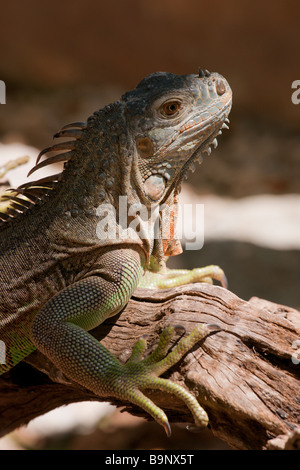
[167, 428]
[212, 272]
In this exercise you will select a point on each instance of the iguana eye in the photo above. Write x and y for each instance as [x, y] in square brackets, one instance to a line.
[170, 108]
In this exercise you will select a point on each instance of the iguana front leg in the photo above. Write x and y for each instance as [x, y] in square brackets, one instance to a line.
[59, 331]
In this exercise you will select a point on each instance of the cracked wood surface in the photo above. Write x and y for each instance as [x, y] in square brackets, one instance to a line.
[243, 376]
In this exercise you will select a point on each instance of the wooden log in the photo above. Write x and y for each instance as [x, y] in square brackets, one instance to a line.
[246, 376]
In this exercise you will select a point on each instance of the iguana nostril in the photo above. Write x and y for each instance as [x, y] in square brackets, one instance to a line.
[220, 87]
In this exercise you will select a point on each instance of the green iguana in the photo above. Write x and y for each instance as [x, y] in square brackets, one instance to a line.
[69, 259]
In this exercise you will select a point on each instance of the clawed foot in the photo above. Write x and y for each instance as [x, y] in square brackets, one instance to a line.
[138, 374]
[180, 277]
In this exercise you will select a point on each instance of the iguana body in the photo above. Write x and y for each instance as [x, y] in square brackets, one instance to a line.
[63, 271]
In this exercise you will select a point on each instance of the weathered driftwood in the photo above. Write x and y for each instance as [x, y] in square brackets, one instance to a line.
[244, 375]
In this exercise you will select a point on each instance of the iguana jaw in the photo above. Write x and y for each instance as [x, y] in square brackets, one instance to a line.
[204, 147]
[161, 176]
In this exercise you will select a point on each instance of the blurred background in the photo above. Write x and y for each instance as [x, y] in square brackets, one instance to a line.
[61, 61]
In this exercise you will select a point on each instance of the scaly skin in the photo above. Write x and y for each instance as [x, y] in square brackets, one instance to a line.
[63, 271]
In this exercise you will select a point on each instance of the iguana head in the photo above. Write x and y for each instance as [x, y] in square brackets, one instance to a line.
[173, 118]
